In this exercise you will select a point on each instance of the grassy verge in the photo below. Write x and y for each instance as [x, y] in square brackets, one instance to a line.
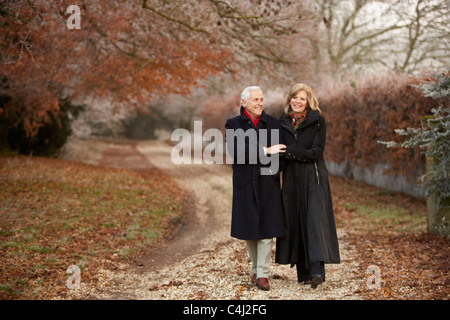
[56, 213]
[389, 231]
[363, 208]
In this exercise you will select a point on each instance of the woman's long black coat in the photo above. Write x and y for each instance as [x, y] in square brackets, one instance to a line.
[256, 210]
[310, 230]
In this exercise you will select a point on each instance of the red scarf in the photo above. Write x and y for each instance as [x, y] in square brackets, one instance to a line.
[255, 122]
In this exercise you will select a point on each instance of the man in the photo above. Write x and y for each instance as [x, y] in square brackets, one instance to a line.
[253, 142]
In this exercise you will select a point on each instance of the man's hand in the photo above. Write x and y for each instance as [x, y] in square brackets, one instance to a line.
[278, 148]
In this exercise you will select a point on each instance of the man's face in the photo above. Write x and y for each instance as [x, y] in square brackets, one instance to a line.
[255, 104]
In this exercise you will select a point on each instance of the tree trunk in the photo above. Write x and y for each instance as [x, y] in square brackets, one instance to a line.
[438, 215]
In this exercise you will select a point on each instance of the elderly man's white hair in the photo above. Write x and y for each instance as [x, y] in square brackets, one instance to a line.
[245, 95]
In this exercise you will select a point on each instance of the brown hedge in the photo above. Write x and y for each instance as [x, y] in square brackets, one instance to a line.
[360, 113]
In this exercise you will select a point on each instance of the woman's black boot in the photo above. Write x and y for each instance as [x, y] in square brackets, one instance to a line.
[316, 274]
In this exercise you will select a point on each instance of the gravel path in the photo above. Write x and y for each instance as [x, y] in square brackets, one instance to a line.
[202, 261]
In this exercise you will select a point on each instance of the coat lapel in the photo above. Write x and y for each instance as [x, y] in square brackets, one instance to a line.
[313, 116]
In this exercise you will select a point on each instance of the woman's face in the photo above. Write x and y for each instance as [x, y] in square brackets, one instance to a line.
[299, 102]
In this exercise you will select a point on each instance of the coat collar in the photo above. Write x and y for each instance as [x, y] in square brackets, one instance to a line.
[262, 118]
[313, 116]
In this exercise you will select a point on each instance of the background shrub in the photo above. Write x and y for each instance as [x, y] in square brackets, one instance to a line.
[50, 137]
[361, 112]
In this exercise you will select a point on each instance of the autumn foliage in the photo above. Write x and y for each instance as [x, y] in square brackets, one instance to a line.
[362, 112]
[113, 55]
[129, 52]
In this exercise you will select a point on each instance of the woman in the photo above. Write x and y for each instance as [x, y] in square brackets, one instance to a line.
[310, 238]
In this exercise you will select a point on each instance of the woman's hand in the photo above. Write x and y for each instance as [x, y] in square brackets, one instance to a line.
[278, 148]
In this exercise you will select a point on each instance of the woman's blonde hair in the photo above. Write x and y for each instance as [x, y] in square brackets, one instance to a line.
[310, 97]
